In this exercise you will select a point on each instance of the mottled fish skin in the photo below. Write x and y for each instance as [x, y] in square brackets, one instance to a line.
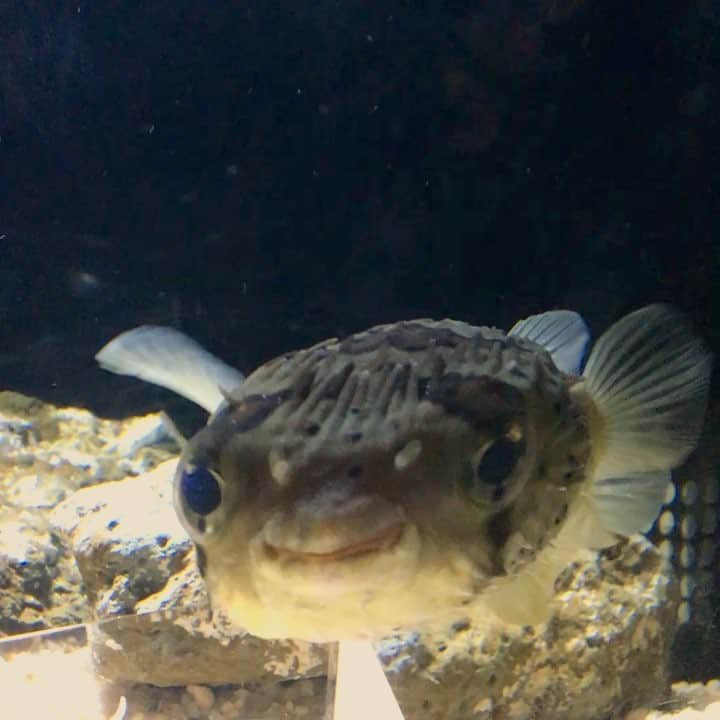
[356, 496]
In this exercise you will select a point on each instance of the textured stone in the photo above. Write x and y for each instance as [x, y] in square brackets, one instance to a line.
[39, 583]
[605, 649]
[46, 453]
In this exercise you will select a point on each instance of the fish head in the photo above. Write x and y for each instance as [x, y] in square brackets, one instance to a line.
[380, 482]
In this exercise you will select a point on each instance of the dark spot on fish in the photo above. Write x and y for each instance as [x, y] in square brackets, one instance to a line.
[337, 382]
[162, 540]
[446, 338]
[460, 626]
[362, 343]
[312, 429]
[354, 410]
[568, 475]
[355, 437]
[422, 386]
[442, 647]
[413, 337]
[201, 525]
[409, 337]
[271, 552]
[254, 409]
[557, 407]
[542, 469]
[499, 529]
[201, 558]
[447, 386]
[355, 471]
[302, 386]
[498, 493]
[112, 525]
[572, 459]
[492, 679]
[483, 401]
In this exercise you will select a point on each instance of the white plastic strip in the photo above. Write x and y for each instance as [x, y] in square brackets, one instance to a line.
[362, 691]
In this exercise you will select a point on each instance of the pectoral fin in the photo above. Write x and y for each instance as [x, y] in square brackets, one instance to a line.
[164, 356]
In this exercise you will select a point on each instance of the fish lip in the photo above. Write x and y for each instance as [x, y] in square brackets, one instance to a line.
[378, 542]
[334, 525]
[370, 566]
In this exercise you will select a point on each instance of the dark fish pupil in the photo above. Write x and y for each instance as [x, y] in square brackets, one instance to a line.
[498, 462]
[200, 490]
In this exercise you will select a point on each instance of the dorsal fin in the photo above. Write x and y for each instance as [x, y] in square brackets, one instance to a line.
[562, 333]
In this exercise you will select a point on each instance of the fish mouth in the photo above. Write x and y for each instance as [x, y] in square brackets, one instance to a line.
[378, 542]
[316, 551]
[333, 525]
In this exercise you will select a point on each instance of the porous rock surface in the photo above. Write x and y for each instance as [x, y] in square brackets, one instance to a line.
[46, 454]
[603, 653]
[604, 650]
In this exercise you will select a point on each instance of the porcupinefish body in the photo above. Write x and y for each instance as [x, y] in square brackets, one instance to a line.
[425, 470]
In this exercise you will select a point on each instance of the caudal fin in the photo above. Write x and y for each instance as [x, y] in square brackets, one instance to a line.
[648, 377]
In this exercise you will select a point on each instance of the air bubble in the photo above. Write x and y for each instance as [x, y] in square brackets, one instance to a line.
[689, 492]
[684, 613]
[670, 493]
[688, 527]
[666, 523]
[708, 521]
[687, 587]
[687, 556]
[667, 549]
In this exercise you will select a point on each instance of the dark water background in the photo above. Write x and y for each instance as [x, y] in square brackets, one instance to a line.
[266, 174]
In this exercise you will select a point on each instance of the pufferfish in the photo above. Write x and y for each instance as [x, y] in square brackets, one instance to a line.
[423, 470]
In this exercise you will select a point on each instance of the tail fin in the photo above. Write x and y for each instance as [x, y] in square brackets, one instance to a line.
[648, 377]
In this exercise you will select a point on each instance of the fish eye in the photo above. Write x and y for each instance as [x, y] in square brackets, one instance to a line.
[493, 469]
[200, 489]
[497, 462]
